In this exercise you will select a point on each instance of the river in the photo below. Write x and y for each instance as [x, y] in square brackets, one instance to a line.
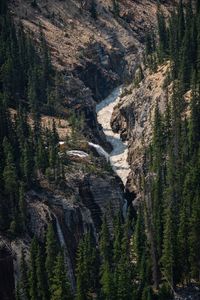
[118, 156]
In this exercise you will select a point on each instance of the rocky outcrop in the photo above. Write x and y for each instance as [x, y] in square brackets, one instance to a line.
[133, 117]
[75, 208]
[94, 54]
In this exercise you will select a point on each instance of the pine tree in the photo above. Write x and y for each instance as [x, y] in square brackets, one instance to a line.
[106, 278]
[33, 283]
[27, 164]
[124, 269]
[139, 237]
[10, 174]
[117, 239]
[24, 283]
[183, 244]
[60, 288]
[22, 207]
[51, 252]
[163, 36]
[181, 23]
[168, 251]
[105, 244]
[107, 286]
[81, 293]
[87, 268]
[194, 242]
[32, 93]
[42, 286]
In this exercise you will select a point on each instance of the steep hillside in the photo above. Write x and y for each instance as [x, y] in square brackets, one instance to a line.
[159, 116]
[96, 53]
[79, 41]
[133, 117]
[55, 185]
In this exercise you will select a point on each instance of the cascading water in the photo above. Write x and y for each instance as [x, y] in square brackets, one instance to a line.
[66, 254]
[100, 151]
[119, 154]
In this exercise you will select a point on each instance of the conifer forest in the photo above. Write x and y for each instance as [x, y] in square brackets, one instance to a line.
[99, 150]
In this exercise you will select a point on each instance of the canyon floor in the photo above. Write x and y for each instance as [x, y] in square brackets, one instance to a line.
[119, 154]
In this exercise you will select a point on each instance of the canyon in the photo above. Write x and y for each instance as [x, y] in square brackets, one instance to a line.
[98, 59]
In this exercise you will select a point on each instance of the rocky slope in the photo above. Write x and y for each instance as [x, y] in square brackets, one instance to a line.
[133, 119]
[95, 56]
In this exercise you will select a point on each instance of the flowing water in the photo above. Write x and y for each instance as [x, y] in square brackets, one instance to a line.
[66, 254]
[119, 154]
[100, 151]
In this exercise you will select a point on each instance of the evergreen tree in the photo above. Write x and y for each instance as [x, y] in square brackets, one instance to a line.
[42, 286]
[22, 207]
[181, 23]
[194, 243]
[60, 288]
[163, 36]
[87, 268]
[33, 282]
[124, 269]
[107, 286]
[24, 283]
[168, 251]
[51, 252]
[10, 173]
[105, 244]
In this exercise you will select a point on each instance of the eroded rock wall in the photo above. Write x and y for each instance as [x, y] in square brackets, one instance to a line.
[134, 117]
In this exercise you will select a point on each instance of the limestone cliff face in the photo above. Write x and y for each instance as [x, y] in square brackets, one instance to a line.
[134, 117]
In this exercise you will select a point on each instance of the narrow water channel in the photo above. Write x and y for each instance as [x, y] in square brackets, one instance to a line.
[118, 157]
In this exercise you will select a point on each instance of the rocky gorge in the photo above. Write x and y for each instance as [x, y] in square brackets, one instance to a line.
[95, 57]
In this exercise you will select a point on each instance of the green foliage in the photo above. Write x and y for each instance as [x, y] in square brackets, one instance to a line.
[45, 277]
[51, 251]
[60, 288]
[24, 283]
[179, 42]
[33, 270]
[87, 268]
[172, 162]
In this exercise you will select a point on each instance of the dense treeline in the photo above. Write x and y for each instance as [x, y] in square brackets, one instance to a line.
[45, 276]
[171, 209]
[141, 260]
[26, 154]
[163, 252]
[102, 271]
[27, 76]
[178, 41]
[26, 151]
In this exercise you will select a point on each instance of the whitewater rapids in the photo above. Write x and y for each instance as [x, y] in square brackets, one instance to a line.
[118, 157]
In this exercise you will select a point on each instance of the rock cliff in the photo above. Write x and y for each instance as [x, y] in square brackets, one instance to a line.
[133, 117]
[94, 55]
